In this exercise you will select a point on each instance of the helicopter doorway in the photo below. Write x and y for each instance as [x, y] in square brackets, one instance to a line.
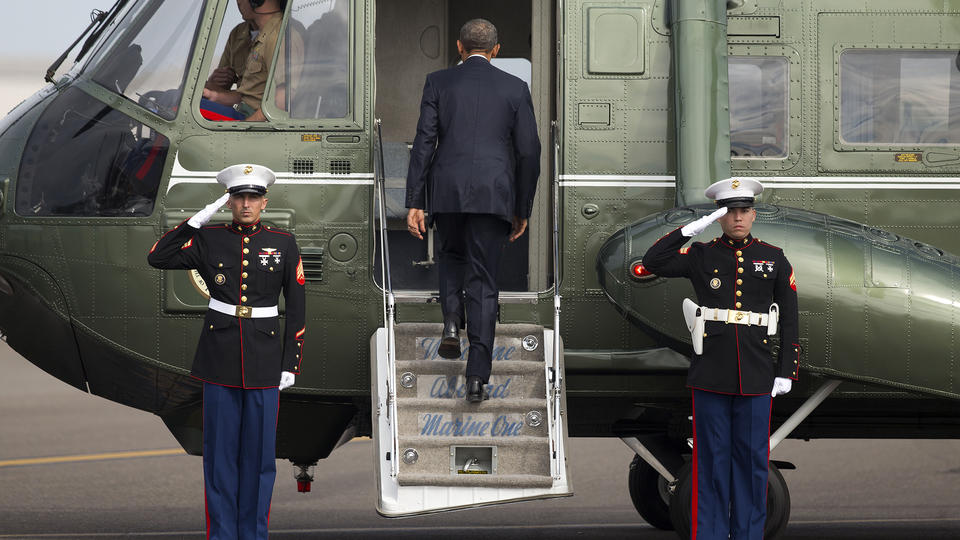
[417, 37]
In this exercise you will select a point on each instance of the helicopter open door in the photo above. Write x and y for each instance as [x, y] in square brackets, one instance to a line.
[434, 451]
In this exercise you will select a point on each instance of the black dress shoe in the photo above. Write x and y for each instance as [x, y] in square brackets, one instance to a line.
[450, 342]
[476, 391]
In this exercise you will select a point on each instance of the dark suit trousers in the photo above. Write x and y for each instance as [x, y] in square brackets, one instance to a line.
[470, 249]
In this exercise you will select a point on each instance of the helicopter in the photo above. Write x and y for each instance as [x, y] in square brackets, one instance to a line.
[845, 111]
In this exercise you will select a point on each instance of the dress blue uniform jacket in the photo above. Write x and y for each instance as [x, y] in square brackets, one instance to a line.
[476, 150]
[745, 275]
[242, 266]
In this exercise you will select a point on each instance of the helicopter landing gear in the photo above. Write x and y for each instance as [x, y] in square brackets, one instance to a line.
[650, 493]
[778, 503]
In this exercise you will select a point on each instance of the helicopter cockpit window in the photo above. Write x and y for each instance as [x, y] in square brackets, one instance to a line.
[759, 87]
[84, 158]
[319, 78]
[902, 97]
[146, 59]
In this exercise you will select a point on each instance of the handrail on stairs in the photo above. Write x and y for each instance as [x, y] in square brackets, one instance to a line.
[389, 306]
[557, 374]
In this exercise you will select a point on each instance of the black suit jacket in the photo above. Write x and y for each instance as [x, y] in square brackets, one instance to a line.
[476, 149]
[746, 275]
[242, 265]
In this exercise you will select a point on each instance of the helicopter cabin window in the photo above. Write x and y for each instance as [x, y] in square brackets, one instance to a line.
[759, 88]
[318, 76]
[84, 158]
[146, 60]
[902, 97]
[306, 60]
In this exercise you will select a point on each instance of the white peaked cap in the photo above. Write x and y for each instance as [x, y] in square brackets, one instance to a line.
[734, 192]
[244, 178]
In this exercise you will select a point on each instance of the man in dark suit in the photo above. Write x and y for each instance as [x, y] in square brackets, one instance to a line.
[474, 167]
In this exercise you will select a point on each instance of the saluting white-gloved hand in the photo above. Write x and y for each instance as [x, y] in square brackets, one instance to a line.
[696, 227]
[781, 385]
[202, 217]
[287, 379]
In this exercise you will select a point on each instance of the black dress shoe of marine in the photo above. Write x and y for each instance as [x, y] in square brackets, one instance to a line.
[450, 342]
[475, 390]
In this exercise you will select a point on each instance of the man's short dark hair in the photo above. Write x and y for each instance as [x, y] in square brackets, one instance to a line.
[478, 35]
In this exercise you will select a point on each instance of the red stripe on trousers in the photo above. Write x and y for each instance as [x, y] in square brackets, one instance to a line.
[693, 495]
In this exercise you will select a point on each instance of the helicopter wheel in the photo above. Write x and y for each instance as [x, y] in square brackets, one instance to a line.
[650, 494]
[778, 503]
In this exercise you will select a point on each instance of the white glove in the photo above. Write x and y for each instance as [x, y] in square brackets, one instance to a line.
[286, 379]
[696, 227]
[202, 217]
[781, 385]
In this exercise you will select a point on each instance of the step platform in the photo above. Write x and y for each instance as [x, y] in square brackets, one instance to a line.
[454, 454]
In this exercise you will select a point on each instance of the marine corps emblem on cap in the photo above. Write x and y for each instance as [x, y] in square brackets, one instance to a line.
[732, 193]
[246, 179]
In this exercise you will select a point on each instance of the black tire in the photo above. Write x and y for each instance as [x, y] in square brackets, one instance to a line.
[648, 491]
[778, 504]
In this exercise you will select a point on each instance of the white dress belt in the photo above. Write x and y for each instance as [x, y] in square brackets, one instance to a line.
[733, 316]
[245, 312]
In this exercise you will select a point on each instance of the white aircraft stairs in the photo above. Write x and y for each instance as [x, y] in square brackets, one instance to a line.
[434, 450]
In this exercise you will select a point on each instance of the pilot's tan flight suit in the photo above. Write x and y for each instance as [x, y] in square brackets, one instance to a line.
[251, 58]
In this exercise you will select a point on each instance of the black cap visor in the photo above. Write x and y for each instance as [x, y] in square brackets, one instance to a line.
[249, 188]
[737, 202]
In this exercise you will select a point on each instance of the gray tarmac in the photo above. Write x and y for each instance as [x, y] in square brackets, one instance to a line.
[842, 489]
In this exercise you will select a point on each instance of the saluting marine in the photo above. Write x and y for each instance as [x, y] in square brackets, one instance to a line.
[243, 357]
[746, 291]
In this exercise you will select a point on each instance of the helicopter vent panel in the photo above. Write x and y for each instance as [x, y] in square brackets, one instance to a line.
[302, 166]
[312, 258]
[339, 166]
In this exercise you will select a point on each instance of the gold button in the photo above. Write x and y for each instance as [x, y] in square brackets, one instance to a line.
[244, 286]
[764, 275]
[298, 356]
[271, 269]
[211, 327]
[246, 250]
[764, 341]
[704, 334]
[715, 271]
[272, 332]
[740, 259]
[244, 275]
[739, 270]
[243, 298]
[739, 293]
[793, 361]
[738, 305]
[739, 253]
[220, 265]
[299, 344]
[739, 281]
[246, 240]
[246, 262]
[796, 350]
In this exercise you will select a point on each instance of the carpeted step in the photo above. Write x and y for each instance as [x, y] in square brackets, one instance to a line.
[443, 460]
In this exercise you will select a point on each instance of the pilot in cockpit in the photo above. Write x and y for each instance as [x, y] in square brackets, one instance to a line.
[246, 62]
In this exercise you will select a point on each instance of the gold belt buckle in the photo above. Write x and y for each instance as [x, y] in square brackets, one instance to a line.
[244, 311]
[736, 317]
